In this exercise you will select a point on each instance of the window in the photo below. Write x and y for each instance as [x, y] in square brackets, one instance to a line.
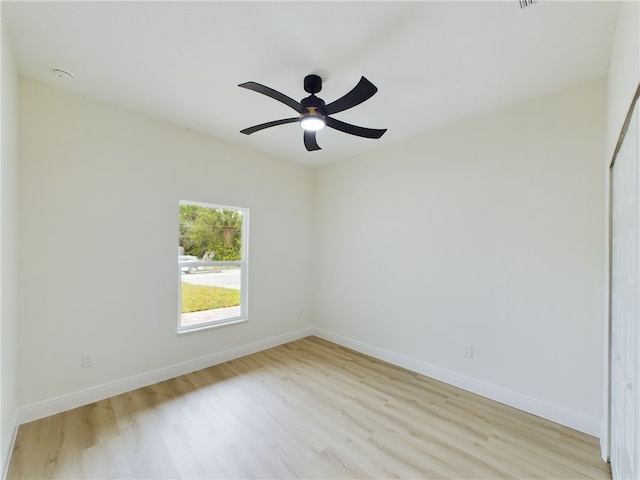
[212, 265]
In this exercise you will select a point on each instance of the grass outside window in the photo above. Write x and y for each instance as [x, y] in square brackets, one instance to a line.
[196, 298]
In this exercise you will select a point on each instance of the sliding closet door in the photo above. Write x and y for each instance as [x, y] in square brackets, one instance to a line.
[625, 307]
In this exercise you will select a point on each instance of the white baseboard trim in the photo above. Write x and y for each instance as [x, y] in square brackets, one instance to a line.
[539, 408]
[63, 403]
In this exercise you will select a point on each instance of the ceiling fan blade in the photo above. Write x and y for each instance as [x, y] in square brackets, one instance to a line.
[262, 126]
[354, 129]
[310, 141]
[270, 92]
[358, 94]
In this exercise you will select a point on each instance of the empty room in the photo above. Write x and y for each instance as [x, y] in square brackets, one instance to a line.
[320, 239]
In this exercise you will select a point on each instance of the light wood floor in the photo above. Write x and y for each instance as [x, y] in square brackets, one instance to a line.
[308, 409]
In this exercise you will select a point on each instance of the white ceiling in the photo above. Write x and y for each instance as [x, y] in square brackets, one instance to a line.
[435, 63]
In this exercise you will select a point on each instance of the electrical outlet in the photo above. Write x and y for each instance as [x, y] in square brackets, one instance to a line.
[86, 360]
[468, 351]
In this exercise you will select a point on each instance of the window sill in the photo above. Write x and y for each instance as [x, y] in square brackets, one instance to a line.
[199, 328]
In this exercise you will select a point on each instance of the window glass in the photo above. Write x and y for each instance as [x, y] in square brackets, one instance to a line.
[212, 265]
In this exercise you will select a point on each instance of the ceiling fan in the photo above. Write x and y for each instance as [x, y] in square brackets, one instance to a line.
[314, 113]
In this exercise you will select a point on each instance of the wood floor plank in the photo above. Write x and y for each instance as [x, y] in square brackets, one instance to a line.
[309, 409]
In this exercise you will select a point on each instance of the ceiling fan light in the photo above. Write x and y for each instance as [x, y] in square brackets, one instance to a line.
[312, 122]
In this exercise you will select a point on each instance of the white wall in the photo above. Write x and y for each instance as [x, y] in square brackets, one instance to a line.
[487, 233]
[8, 250]
[99, 190]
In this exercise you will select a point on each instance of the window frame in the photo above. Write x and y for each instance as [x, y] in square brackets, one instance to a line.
[243, 263]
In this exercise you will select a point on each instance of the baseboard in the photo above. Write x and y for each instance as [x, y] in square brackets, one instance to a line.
[545, 410]
[63, 403]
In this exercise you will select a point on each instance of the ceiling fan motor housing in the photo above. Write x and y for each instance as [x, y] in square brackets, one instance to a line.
[313, 106]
